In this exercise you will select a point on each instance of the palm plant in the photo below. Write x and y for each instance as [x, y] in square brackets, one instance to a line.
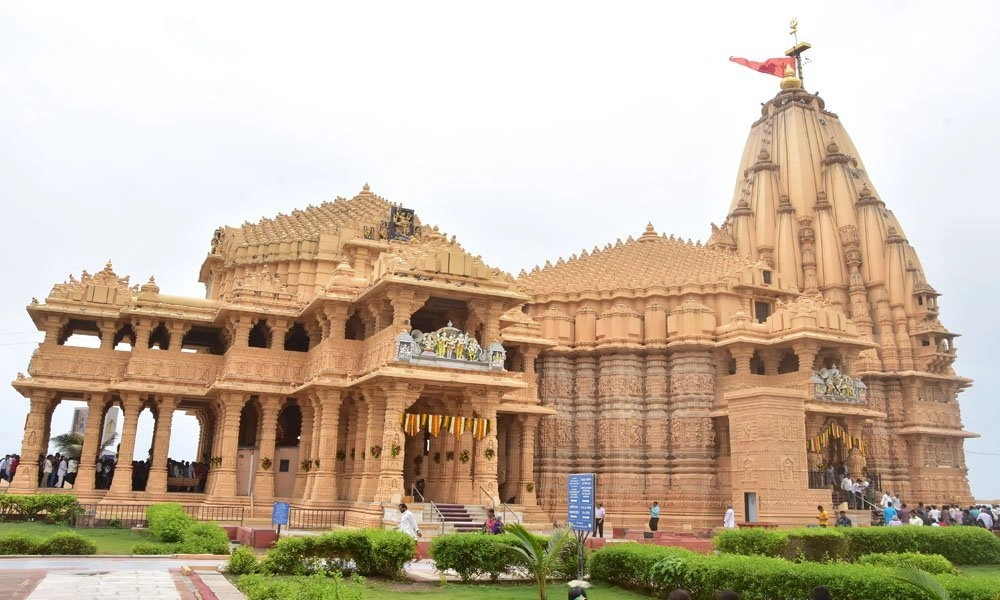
[922, 581]
[71, 444]
[540, 557]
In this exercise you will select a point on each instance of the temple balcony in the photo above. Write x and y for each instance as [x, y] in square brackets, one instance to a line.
[182, 368]
[263, 366]
[935, 358]
[71, 362]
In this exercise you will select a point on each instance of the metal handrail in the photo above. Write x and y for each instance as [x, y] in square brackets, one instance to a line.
[503, 506]
[438, 512]
[414, 492]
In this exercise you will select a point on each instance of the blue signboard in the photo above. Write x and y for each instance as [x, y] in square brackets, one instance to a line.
[580, 507]
[279, 516]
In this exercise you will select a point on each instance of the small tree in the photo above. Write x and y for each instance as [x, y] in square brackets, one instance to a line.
[540, 558]
[71, 444]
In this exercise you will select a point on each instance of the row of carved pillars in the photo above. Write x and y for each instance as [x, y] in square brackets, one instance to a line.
[37, 431]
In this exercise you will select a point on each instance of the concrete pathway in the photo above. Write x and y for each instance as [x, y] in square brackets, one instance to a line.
[112, 578]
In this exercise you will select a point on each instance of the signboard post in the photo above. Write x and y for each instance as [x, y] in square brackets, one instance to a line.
[580, 510]
[279, 515]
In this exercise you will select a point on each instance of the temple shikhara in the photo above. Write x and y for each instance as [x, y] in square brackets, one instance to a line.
[349, 355]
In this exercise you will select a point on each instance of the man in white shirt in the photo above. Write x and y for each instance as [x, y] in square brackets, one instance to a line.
[47, 471]
[407, 522]
[916, 520]
[599, 520]
[985, 519]
[934, 514]
[856, 490]
[71, 468]
[729, 521]
[886, 499]
[61, 471]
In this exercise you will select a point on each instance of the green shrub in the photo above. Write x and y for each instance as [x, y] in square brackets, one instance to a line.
[960, 545]
[815, 544]
[628, 565]
[288, 555]
[373, 552]
[67, 542]
[204, 538]
[760, 578]
[56, 508]
[473, 555]
[749, 542]
[242, 562]
[18, 543]
[167, 521]
[150, 548]
[315, 587]
[382, 552]
[932, 563]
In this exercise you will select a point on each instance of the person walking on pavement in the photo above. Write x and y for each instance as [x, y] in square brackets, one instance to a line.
[407, 522]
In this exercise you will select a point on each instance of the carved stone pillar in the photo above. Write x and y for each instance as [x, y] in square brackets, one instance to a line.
[772, 360]
[528, 486]
[161, 444]
[324, 488]
[177, 331]
[122, 482]
[621, 430]
[656, 425]
[306, 446]
[239, 327]
[92, 435]
[143, 329]
[279, 329]
[368, 466]
[108, 330]
[484, 455]
[405, 302]
[742, 355]
[263, 483]
[54, 326]
[398, 397]
[587, 414]
[225, 477]
[855, 463]
[806, 351]
[34, 441]
[694, 487]
[336, 320]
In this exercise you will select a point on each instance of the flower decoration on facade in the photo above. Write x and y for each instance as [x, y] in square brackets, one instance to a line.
[419, 459]
[395, 450]
[437, 458]
[305, 464]
[489, 453]
[376, 451]
[215, 461]
[449, 455]
[316, 463]
[464, 456]
[529, 486]
[265, 463]
[341, 455]
[352, 453]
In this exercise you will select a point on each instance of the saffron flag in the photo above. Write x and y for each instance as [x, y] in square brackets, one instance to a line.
[771, 66]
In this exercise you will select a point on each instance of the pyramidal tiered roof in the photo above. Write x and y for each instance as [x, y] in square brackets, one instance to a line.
[364, 209]
[652, 260]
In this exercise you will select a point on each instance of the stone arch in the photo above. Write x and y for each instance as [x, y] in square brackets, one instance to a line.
[757, 363]
[260, 335]
[80, 333]
[145, 435]
[789, 363]
[354, 328]
[437, 312]
[297, 339]
[250, 423]
[159, 337]
[124, 335]
[289, 431]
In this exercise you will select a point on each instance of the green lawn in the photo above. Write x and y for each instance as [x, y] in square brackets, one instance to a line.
[109, 541]
[982, 572]
[383, 590]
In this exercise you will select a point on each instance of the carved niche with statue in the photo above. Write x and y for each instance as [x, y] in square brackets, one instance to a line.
[451, 347]
[833, 386]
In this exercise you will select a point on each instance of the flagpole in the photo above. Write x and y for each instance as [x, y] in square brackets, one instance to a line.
[799, 47]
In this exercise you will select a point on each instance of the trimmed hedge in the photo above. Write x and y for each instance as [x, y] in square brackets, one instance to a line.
[243, 561]
[932, 563]
[66, 542]
[333, 587]
[960, 545]
[55, 508]
[176, 532]
[370, 551]
[474, 555]
[760, 578]
[152, 548]
[63, 542]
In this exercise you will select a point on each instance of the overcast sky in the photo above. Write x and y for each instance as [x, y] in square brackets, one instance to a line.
[530, 130]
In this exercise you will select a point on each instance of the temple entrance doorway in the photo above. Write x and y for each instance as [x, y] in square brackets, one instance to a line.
[246, 454]
[286, 450]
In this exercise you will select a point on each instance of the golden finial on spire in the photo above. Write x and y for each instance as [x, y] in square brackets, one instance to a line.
[790, 81]
[796, 50]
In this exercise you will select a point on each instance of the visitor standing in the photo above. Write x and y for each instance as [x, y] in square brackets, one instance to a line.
[599, 520]
[71, 469]
[654, 516]
[729, 521]
[61, 469]
[889, 513]
[843, 520]
[46, 471]
[822, 517]
[493, 525]
[407, 522]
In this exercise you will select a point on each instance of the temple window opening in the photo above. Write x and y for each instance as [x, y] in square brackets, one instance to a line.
[260, 335]
[80, 334]
[159, 339]
[354, 328]
[297, 340]
[124, 338]
[205, 340]
[762, 310]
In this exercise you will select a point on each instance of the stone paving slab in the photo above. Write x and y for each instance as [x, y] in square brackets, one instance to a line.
[106, 585]
[16, 584]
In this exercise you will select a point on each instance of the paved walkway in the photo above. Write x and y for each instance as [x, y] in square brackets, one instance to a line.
[112, 578]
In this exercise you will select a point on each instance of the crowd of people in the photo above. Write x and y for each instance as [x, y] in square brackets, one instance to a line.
[57, 470]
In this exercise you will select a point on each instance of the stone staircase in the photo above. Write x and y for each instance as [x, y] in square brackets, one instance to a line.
[459, 517]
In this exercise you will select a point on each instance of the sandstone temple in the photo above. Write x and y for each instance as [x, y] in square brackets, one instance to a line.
[348, 355]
